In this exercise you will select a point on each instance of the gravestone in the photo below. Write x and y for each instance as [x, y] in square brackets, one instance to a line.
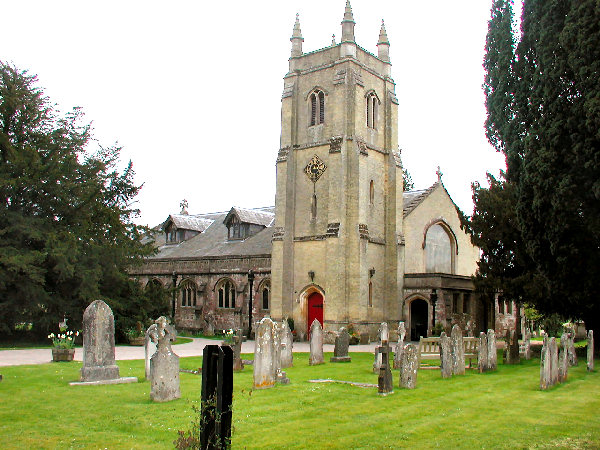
[511, 350]
[238, 338]
[571, 354]
[590, 350]
[482, 353]
[491, 350]
[399, 346]
[445, 356]
[545, 364]
[458, 351]
[316, 344]
[280, 375]
[287, 345]
[340, 351]
[164, 365]
[364, 339]
[99, 343]
[383, 335]
[563, 361]
[385, 382]
[150, 340]
[554, 363]
[527, 344]
[217, 396]
[469, 328]
[265, 370]
[409, 366]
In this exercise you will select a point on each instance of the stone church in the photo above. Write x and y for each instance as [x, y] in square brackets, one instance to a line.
[344, 244]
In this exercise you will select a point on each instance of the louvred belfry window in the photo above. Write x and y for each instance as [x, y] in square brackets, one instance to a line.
[317, 108]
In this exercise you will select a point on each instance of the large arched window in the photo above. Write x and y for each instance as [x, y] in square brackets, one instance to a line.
[226, 294]
[372, 102]
[265, 292]
[317, 107]
[438, 250]
[188, 293]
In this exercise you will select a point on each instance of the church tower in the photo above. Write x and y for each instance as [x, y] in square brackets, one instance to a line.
[337, 254]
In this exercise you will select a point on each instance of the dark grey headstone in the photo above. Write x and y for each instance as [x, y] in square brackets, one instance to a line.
[342, 342]
[238, 338]
[385, 382]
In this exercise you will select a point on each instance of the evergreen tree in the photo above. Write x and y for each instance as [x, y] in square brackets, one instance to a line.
[67, 235]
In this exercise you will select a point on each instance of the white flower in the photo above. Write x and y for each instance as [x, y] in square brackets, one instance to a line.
[70, 338]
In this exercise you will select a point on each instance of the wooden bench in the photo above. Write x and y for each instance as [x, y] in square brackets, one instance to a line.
[429, 348]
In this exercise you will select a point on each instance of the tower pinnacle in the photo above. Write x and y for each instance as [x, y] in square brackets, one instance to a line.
[348, 24]
[383, 45]
[297, 38]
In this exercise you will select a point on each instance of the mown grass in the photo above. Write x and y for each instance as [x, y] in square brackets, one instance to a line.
[504, 409]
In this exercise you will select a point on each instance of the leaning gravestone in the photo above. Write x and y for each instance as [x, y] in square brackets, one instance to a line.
[410, 364]
[237, 350]
[287, 344]
[150, 341]
[563, 361]
[265, 371]
[316, 344]
[384, 335]
[340, 351]
[482, 353]
[399, 346]
[445, 356]
[590, 350]
[458, 351]
[164, 365]
[99, 365]
[491, 350]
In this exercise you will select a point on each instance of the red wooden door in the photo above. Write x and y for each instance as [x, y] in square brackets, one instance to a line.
[315, 309]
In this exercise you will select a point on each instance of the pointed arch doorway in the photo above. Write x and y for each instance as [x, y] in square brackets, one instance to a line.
[418, 319]
[314, 305]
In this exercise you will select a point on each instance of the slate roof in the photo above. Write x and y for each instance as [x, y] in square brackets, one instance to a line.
[259, 216]
[412, 199]
[213, 241]
[189, 222]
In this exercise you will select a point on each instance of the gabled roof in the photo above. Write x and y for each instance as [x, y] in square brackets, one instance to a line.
[412, 199]
[258, 216]
[188, 222]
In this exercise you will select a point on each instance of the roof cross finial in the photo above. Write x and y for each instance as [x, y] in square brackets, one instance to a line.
[439, 174]
[184, 205]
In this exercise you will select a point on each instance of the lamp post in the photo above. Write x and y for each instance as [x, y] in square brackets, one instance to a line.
[250, 282]
[174, 277]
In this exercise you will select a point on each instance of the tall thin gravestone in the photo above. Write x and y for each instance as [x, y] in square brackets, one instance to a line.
[554, 363]
[445, 356]
[164, 365]
[150, 340]
[385, 383]
[458, 351]
[590, 350]
[563, 361]
[409, 366]
[99, 343]
[287, 344]
[316, 344]
[384, 335]
[280, 375]
[399, 346]
[491, 350]
[238, 338]
[340, 351]
[545, 364]
[265, 370]
[511, 351]
[571, 354]
[217, 396]
[527, 344]
[482, 353]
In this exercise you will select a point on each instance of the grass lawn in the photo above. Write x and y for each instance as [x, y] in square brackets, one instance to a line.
[504, 409]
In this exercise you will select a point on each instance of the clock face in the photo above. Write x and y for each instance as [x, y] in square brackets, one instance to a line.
[315, 168]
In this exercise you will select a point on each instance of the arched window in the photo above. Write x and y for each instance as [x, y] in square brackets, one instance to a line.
[266, 296]
[188, 293]
[226, 295]
[372, 103]
[317, 107]
[438, 250]
[313, 207]
[370, 294]
[371, 192]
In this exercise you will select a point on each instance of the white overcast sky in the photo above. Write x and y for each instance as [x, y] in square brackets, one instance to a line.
[192, 89]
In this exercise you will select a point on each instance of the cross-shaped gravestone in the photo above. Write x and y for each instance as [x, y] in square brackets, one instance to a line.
[385, 384]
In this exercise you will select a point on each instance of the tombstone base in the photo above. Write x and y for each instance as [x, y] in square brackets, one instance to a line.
[340, 359]
[99, 373]
[122, 380]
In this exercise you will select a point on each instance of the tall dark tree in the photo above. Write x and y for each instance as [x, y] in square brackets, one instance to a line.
[543, 103]
[67, 235]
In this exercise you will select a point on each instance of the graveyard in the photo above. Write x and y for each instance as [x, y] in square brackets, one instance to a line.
[500, 409]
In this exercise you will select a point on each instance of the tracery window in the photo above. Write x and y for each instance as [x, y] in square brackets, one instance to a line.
[438, 250]
[188, 293]
[372, 102]
[227, 295]
[317, 107]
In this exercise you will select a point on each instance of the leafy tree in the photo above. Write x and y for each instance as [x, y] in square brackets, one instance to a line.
[542, 91]
[67, 235]
[407, 181]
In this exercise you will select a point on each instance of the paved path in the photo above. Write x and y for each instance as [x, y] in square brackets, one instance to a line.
[124, 352]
